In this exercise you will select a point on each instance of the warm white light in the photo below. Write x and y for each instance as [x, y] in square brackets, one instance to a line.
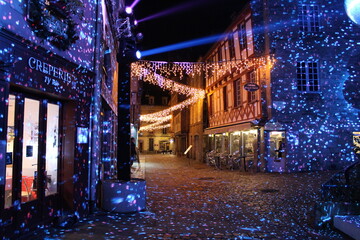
[157, 73]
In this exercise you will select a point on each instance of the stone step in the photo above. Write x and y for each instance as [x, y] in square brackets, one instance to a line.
[348, 224]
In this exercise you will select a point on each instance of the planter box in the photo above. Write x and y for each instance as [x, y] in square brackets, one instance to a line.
[124, 196]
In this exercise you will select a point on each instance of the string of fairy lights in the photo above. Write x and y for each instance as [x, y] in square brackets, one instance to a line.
[158, 73]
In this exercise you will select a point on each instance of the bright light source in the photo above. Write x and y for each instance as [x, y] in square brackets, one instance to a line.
[128, 10]
[135, 22]
[138, 54]
[353, 10]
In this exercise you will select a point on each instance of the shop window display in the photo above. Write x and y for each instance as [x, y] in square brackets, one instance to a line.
[52, 145]
[30, 149]
[10, 151]
[250, 141]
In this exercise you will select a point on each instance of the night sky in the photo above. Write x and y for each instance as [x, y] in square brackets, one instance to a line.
[189, 20]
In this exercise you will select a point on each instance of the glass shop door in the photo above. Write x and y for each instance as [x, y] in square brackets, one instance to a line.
[277, 147]
[32, 157]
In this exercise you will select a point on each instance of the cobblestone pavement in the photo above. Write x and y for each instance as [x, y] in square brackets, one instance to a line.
[188, 200]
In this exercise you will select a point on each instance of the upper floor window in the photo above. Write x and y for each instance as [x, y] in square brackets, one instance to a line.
[219, 52]
[210, 70]
[107, 68]
[309, 20]
[164, 130]
[211, 104]
[231, 46]
[237, 92]
[252, 79]
[307, 76]
[242, 36]
[225, 98]
[151, 100]
[164, 100]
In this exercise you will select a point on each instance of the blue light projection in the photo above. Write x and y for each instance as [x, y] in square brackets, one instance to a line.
[18, 44]
[182, 45]
[324, 121]
[319, 126]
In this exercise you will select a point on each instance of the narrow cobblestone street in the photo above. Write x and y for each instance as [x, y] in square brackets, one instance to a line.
[187, 200]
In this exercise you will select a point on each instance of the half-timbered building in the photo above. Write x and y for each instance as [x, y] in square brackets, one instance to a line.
[278, 90]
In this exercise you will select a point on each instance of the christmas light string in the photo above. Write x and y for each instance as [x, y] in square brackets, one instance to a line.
[151, 128]
[165, 115]
[167, 69]
[159, 120]
[152, 71]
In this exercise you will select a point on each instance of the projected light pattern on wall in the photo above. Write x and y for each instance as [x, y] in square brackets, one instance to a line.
[319, 121]
[319, 124]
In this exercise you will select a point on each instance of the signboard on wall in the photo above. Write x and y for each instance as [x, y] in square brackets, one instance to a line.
[251, 87]
[36, 68]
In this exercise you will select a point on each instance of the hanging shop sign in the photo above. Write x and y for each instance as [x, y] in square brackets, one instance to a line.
[251, 87]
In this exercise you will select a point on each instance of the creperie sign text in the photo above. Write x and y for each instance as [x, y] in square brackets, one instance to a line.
[51, 71]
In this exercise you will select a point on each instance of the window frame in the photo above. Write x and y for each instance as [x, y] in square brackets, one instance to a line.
[251, 76]
[309, 18]
[242, 36]
[225, 99]
[237, 93]
[307, 76]
[231, 43]
[151, 100]
[164, 101]
[211, 104]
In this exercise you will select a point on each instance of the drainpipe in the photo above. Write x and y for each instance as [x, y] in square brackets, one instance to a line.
[94, 156]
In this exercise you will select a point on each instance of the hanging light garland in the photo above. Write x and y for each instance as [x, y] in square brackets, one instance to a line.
[168, 84]
[152, 71]
[167, 69]
[156, 123]
[159, 120]
[152, 128]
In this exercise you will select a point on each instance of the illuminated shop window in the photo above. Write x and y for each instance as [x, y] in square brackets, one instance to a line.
[356, 140]
[309, 20]
[52, 148]
[235, 140]
[10, 151]
[307, 76]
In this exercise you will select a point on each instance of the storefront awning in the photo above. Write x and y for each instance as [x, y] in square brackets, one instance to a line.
[228, 128]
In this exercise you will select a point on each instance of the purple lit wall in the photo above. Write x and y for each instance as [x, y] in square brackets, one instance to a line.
[28, 60]
[15, 14]
[319, 123]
